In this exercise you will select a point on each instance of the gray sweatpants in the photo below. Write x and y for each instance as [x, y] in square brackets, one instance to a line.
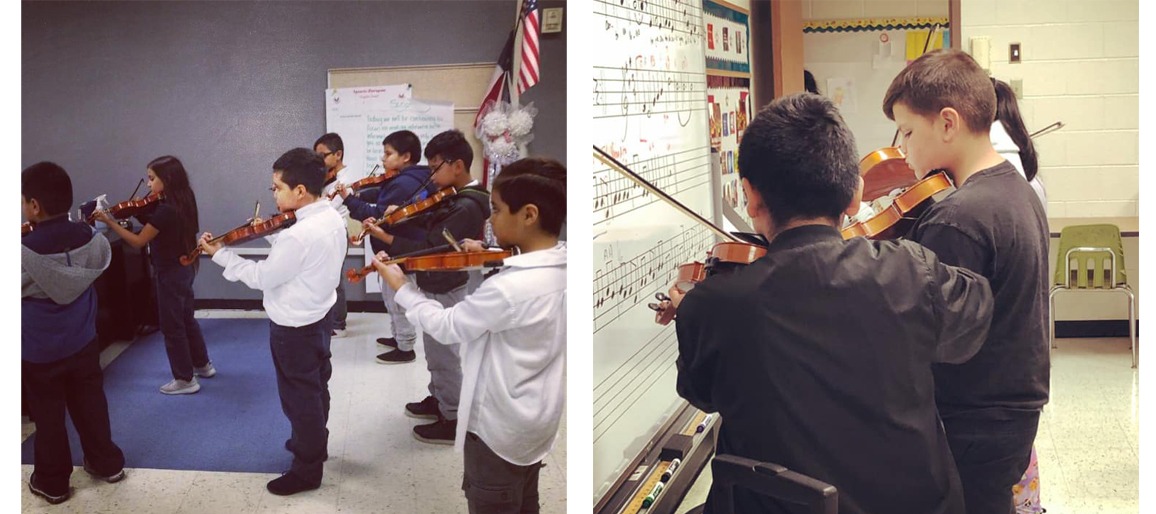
[403, 331]
[443, 360]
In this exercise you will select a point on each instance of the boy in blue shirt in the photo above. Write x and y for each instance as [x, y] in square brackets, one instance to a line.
[59, 351]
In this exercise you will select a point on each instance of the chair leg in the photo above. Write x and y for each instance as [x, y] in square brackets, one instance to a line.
[1052, 320]
[1132, 323]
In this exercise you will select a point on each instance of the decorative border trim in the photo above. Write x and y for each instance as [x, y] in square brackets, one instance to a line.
[873, 24]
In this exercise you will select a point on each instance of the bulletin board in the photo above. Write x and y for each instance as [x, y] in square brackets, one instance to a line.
[461, 84]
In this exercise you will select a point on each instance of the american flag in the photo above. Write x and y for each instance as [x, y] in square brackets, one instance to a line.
[528, 74]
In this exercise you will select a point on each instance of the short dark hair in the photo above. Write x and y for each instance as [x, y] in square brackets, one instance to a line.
[800, 156]
[405, 142]
[537, 181]
[48, 184]
[332, 141]
[301, 166]
[941, 79]
[450, 145]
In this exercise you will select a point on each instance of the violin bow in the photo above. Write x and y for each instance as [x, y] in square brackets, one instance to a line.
[134, 191]
[450, 237]
[617, 166]
[1047, 130]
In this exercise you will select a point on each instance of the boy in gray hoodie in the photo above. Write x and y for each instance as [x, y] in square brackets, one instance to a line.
[60, 354]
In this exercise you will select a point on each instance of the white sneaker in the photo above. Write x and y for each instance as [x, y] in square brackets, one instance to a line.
[181, 387]
[206, 372]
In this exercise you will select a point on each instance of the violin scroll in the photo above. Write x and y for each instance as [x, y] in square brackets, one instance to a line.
[130, 208]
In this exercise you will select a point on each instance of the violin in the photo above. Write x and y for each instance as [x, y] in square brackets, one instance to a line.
[244, 233]
[371, 180]
[723, 257]
[407, 211]
[896, 218]
[689, 275]
[883, 171]
[446, 261]
[130, 208]
[26, 228]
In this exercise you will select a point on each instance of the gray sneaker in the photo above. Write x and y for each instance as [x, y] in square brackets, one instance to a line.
[181, 387]
[207, 371]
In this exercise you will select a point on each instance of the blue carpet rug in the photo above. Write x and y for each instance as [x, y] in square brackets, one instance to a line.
[233, 424]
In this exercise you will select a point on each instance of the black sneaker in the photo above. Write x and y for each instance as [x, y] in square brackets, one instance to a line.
[288, 484]
[441, 431]
[112, 479]
[425, 409]
[396, 357]
[50, 498]
[387, 342]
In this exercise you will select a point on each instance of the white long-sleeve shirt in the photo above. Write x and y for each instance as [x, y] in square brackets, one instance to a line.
[1005, 146]
[513, 336]
[299, 277]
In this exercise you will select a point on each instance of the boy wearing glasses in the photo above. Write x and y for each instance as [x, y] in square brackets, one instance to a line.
[463, 215]
[332, 151]
[401, 151]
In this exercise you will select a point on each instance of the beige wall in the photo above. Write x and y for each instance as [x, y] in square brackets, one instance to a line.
[1080, 66]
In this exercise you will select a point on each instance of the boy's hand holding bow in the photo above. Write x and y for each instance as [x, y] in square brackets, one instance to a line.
[392, 273]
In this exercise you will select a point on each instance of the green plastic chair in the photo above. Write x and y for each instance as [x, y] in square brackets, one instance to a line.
[1091, 258]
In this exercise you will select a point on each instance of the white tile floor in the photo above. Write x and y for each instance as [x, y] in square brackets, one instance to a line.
[375, 464]
[1089, 437]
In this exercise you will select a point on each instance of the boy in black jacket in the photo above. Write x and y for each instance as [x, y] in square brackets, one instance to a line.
[464, 215]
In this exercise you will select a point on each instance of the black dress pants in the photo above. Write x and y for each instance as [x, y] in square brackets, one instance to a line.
[74, 384]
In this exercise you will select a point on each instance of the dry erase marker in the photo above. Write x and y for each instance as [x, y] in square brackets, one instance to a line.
[649, 500]
[705, 422]
[670, 470]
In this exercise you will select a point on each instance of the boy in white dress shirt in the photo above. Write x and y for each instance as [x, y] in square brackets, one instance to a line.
[512, 332]
[299, 281]
[332, 151]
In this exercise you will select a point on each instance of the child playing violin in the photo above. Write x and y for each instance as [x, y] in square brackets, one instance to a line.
[400, 152]
[332, 151]
[299, 282]
[170, 231]
[463, 215]
[843, 395]
[512, 332]
[993, 224]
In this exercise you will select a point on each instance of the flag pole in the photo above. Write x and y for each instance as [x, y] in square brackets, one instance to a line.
[516, 66]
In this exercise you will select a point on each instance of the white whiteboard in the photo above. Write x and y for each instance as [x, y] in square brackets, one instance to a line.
[650, 113]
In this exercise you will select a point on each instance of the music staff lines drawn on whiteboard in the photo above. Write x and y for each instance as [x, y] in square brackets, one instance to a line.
[674, 173]
[653, 359]
[653, 21]
[633, 91]
[618, 287]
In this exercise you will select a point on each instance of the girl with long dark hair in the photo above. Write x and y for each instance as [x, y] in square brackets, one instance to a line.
[170, 231]
[1010, 138]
